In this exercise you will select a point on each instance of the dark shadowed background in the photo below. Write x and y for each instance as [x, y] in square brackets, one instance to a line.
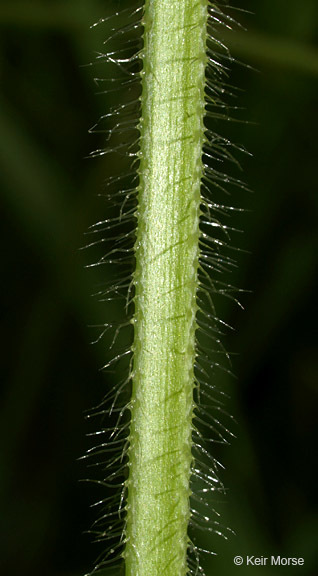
[49, 371]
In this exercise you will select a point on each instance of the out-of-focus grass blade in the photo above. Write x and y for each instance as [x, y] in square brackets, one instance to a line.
[34, 191]
[257, 49]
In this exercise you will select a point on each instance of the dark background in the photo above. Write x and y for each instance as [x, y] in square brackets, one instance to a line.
[50, 373]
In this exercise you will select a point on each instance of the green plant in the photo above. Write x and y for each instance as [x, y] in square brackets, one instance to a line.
[169, 466]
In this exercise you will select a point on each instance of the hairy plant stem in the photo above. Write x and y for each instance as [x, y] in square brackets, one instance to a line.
[165, 279]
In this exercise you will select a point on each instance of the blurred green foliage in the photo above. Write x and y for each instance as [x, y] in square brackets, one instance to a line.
[50, 373]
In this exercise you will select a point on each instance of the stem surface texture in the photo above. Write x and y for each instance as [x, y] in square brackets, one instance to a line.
[166, 283]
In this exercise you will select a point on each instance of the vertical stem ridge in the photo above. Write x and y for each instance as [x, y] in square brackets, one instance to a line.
[167, 253]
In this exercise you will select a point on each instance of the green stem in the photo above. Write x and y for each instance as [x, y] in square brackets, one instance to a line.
[167, 252]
